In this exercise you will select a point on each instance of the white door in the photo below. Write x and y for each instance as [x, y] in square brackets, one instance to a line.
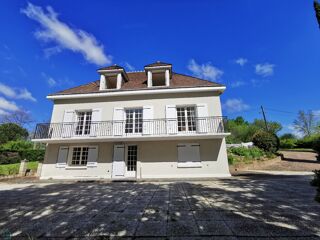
[131, 161]
[118, 164]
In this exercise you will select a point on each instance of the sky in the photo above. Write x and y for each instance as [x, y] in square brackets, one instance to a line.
[267, 53]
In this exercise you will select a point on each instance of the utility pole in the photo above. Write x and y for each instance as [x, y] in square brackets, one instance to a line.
[264, 118]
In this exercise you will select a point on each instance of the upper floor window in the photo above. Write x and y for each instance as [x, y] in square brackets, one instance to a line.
[186, 118]
[83, 122]
[80, 156]
[133, 120]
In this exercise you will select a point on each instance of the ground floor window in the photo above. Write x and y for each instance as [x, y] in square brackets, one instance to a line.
[79, 156]
[189, 155]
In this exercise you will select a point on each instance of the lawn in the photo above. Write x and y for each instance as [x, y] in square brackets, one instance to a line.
[13, 169]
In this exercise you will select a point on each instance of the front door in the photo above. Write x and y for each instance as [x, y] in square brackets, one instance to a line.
[118, 164]
[131, 161]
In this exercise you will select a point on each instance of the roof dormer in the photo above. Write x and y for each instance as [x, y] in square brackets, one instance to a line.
[159, 74]
[112, 77]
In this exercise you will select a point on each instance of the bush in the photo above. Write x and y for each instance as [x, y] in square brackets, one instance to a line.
[287, 136]
[316, 179]
[267, 141]
[17, 145]
[288, 143]
[249, 153]
[9, 157]
[316, 147]
[307, 142]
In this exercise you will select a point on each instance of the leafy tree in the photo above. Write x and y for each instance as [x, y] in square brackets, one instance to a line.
[267, 141]
[288, 136]
[273, 127]
[12, 132]
[316, 6]
[305, 123]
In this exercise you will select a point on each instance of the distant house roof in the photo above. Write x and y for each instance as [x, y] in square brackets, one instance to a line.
[138, 81]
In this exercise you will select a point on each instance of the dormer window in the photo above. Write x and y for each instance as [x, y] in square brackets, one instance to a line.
[159, 74]
[112, 77]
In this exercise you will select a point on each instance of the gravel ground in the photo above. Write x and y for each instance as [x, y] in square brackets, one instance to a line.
[295, 161]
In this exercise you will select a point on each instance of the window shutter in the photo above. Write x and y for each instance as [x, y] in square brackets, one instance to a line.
[118, 121]
[118, 163]
[202, 118]
[68, 122]
[194, 152]
[92, 156]
[182, 153]
[171, 119]
[95, 122]
[148, 123]
[62, 157]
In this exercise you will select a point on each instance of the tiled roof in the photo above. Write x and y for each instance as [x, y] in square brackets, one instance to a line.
[112, 67]
[158, 64]
[138, 81]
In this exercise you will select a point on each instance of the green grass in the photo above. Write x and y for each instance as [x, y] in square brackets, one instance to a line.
[13, 169]
[9, 169]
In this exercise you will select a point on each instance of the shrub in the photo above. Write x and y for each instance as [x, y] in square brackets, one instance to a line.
[267, 141]
[17, 145]
[316, 179]
[249, 153]
[307, 142]
[288, 143]
[9, 157]
[316, 147]
[288, 136]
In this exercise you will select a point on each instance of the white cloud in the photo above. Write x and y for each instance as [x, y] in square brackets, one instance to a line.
[6, 105]
[241, 61]
[16, 93]
[205, 71]
[235, 105]
[129, 66]
[52, 82]
[237, 84]
[265, 69]
[77, 40]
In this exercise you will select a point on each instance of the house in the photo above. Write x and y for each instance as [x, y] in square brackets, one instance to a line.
[150, 124]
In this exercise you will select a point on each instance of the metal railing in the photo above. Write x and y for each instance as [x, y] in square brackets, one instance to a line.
[154, 127]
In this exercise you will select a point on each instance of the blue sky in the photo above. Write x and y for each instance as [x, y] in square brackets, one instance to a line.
[266, 52]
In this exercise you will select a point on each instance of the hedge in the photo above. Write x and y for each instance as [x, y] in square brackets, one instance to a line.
[9, 157]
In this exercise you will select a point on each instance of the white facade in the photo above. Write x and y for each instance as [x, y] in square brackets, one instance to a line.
[163, 134]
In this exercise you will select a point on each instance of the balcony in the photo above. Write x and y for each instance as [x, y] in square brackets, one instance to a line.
[155, 129]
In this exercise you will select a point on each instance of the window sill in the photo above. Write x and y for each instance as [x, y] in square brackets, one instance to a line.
[190, 165]
[76, 167]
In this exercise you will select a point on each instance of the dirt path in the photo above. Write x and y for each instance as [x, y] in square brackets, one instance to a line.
[295, 161]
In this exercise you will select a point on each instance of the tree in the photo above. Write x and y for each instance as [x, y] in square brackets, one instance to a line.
[12, 132]
[305, 123]
[18, 117]
[316, 6]
[288, 136]
[273, 127]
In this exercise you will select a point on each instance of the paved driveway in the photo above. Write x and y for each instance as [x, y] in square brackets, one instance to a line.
[239, 207]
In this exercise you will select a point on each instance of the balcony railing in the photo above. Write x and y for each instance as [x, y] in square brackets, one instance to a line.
[154, 127]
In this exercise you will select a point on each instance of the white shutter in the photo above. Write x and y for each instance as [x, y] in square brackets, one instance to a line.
[171, 119]
[118, 121]
[95, 122]
[118, 164]
[62, 157]
[202, 118]
[148, 122]
[92, 156]
[68, 123]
